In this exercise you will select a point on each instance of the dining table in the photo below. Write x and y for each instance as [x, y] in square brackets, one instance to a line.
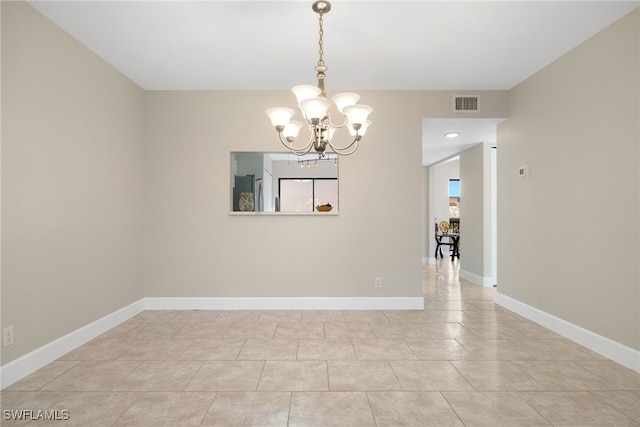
[454, 243]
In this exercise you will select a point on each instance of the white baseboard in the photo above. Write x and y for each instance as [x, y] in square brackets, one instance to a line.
[31, 362]
[608, 348]
[485, 282]
[312, 303]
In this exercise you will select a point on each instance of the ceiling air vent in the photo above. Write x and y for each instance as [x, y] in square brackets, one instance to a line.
[468, 104]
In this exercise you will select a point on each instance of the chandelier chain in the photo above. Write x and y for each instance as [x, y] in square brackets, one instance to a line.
[320, 41]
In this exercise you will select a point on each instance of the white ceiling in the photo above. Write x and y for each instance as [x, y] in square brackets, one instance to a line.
[439, 147]
[369, 45]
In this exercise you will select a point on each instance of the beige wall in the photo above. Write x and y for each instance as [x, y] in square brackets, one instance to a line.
[568, 234]
[475, 215]
[472, 211]
[195, 248]
[72, 183]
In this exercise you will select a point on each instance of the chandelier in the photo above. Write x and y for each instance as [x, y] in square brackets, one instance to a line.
[314, 105]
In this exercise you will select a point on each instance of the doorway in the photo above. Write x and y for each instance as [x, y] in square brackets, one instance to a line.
[475, 150]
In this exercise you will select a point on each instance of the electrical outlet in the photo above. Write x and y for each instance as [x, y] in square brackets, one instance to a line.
[377, 282]
[7, 336]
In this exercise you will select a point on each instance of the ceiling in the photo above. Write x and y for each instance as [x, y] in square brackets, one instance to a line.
[369, 45]
[437, 147]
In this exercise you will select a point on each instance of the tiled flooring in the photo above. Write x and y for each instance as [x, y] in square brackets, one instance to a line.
[463, 361]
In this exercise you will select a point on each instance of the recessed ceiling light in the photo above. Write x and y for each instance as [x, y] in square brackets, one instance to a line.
[452, 134]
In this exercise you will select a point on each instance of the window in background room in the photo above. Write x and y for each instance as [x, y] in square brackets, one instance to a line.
[454, 205]
[303, 195]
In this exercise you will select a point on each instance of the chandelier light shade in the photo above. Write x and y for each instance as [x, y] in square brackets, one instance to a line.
[315, 108]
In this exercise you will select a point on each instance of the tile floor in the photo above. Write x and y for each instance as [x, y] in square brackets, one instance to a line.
[463, 361]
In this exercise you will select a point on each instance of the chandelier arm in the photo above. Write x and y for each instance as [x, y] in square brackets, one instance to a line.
[342, 151]
[301, 153]
[346, 147]
[297, 151]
